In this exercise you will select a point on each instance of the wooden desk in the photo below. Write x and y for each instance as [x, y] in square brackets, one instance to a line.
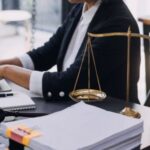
[110, 104]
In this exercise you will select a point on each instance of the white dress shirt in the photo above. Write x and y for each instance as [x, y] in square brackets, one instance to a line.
[35, 84]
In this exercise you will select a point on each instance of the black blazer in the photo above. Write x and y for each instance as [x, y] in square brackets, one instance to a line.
[110, 53]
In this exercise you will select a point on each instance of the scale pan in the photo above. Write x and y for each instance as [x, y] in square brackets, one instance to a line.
[87, 95]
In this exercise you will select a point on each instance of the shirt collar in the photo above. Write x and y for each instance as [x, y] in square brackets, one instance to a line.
[87, 15]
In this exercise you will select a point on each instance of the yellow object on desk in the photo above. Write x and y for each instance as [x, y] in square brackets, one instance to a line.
[22, 134]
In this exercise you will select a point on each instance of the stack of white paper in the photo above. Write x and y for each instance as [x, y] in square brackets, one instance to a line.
[85, 127]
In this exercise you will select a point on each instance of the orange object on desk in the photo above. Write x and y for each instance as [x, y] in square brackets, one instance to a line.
[22, 134]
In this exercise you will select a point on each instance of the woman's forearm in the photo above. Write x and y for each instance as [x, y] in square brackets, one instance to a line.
[16, 74]
[13, 61]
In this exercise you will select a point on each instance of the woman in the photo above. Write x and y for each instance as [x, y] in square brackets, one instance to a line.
[65, 49]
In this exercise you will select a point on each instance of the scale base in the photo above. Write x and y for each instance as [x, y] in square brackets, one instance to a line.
[127, 111]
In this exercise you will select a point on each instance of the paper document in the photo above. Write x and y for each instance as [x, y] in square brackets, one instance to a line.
[83, 127]
[16, 101]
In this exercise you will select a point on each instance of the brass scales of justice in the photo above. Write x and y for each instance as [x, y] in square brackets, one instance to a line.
[93, 95]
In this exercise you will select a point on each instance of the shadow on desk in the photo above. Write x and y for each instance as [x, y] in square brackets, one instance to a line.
[54, 106]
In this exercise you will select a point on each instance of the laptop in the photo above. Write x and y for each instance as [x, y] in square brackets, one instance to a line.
[4, 86]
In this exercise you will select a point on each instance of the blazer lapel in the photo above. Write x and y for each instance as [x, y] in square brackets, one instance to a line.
[67, 37]
[96, 21]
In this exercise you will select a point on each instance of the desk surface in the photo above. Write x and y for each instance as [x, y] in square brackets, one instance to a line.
[110, 104]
